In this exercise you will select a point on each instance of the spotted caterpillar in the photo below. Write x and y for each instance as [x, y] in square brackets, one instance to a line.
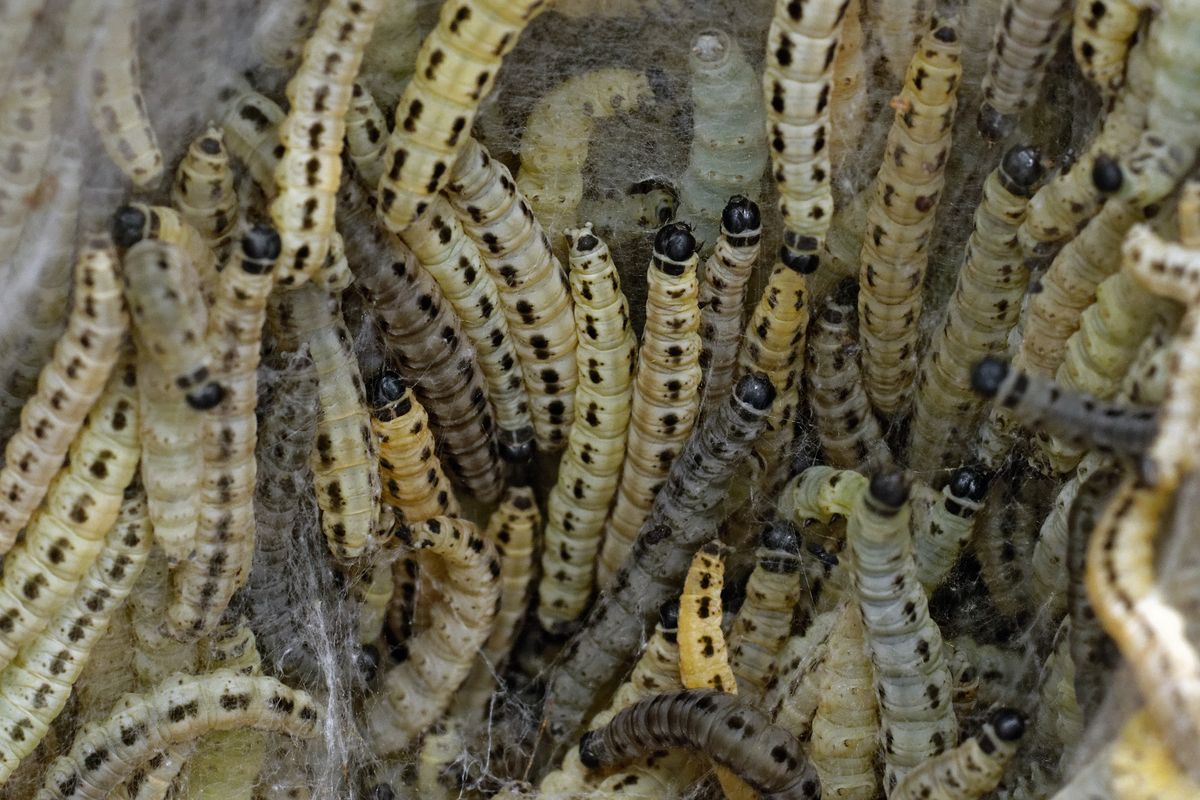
[203, 189]
[25, 139]
[971, 770]
[366, 130]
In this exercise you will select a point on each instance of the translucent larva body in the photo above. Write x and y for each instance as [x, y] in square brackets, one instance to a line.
[282, 29]
[666, 391]
[1144, 766]
[25, 138]
[251, 125]
[312, 135]
[900, 218]
[1101, 39]
[391, 55]
[792, 694]
[982, 312]
[456, 68]
[203, 189]
[946, 529]
[590, 469]
[972, 769]
[156, 655]
[366, 134]
[67, 388]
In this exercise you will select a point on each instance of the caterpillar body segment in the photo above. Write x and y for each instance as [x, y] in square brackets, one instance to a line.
[418, 690]
[971, 770]
[156, 655]
[66, 534]
[25, 139]
[981, 314]
[203, 585]
[703, 657]
[456, 68]
[178, 711]
[1101, 38]
[590, 469]
[900, 218]
[68, 386]
[821, 493]
[947, 526]
[38, 682]
[792, 694]
[1004, 542]
[282, 29]
[1143, 763]
[366, 135]
[203, 189]
[722, 294]
[392, 53]
[251, 125]
[312, 135]
[17, 22]
[438, 241]
[1023, 43]
[136, 222]
[912, 680]
[665, 393]
[848, 99]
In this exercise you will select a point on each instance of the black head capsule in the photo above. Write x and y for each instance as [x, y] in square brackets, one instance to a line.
[367, 660]
[587, 749]
[756, 391]
[586, 243]
[741, 216]
[945, 34]
[674, 242]
[846, 292]
[261, 245]
[1009, 724]
[993, 125]
[516, 449]
[206, 397]
[968, 483]
[129, 226]
[1106, 174]
[780, 535]
[1021, 169]
[988, 376]
[889, 488]
[387, 388]
[668, 615]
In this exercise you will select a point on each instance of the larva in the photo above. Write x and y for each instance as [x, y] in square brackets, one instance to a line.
[665, 391]
[946, 529]
[155, 654]
[684, 515]
[203, 189]
[203, 585]
[1144, 765]
[703, 658]
[727, 102]
[534, 291]
[906, 194]
[66, 533]
[310, 168]
[1078, 419]
[911, 678]
[850, 435]
[590, 469]
[418, 690]
[821, 493]
[67, 387]
[366, 130]
[1101, 39]
[456, 68]
[971, 770]
[433, 354]
[137, 221]
[722, 294]
[155, 779]
[979, 317]
[1024, 40]
[848, 96]
[16, 22]
[845, 727]
[763, 623]
[438, 241]
[35, 687]
[180, 710]
[801, 45]
[391, 55]
[282, 29]
[1004, 542]
[554, 145]
[1058, 723]
[723, 727]
[25, 139]
[792, 689]
[251, 124]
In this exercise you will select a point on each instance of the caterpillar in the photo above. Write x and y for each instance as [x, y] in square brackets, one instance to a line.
[665, 391]
[792, 688]
[1004, 542]
[971, 770]
[417, 691]
[251, 125]
[438, 241]
[590, 469]
[432, 352]
[1058, 722]
[108, 33]
[310, 167]
[726, 103]
[845, 727]
[534, 290]
[365, 132]
[1144, 765]
[1101, 38]
[703, 657]
[801, 45]
[67, 387]
[204, 584]
[156, 655]
[180, 710]
[65, 535]
[456, 68]
[282, 29]
[911, 678]
[35, 687]
[820, 493]
[724, 727]
[722, 294]
[203, 189]
[156, 778]
[982, 312]
[1024, 40]
[948, 525]
[554, 145]
[137, 221]
[683, 516]
[848, 95]
[25, 138]
[849, 432]
[907, 190]
[17, 23]
[392, 52]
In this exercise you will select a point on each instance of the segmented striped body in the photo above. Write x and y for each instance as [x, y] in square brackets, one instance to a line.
[312, 135]
[65, 535]
[283, 28]
[820, 493]
[971, 770]
[947, 525]
[418, 690]
[982, 312]
[203, 189]
[35, 687]
[900, 218]
[792, 690]
[1004, 544]
[456, 68]
[703, 658]
[590, 469]
[1102, 37]
[438, 241]
[666, 394]
[848, 98]
[25, 139]
[534, 291]
[203, 585]
[251, 125]
[180, 710]
[366, 132]
[67, 388]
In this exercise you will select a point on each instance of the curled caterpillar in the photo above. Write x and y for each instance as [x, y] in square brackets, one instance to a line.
[251, 125]
[972, 769]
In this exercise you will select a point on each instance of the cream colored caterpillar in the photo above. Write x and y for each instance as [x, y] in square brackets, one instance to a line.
[1101, 39]
[366, 132]
[456, 68]
[137, 221]
[283, 28]
[16, 22]
[67, 387]
[251, 125]
[947, 526]
[203, 189]
[25, 139]
[590, 469]
[971, 770]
